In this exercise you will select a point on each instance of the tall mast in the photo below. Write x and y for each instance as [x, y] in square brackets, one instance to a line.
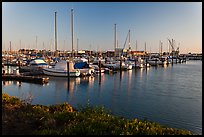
[169, 48]
[115, 41]
[145, 47]
[161, 48]
[10, 47]
[64, 44]
[72, 31]
[43, 45]
[20, 44]
[136, 46]
[77, 45]
[36, 42]
[10, 52]
[129, 40]
[55, 33]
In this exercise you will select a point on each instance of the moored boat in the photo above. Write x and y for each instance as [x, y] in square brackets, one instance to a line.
[60, 69]
[35, 67]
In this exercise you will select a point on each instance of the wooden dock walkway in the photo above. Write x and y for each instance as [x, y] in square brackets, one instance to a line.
[33, 79]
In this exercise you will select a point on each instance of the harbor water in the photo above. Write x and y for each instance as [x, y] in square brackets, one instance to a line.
[169, 95]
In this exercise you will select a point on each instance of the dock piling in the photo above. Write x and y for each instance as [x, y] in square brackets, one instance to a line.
[99, 67]
[120, 64]
[68, 77]
[146, 62]
[19, 65]
[172, 60]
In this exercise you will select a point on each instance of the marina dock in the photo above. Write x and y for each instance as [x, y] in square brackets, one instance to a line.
[33, 79]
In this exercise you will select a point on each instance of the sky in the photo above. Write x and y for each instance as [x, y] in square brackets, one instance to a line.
[31, 25]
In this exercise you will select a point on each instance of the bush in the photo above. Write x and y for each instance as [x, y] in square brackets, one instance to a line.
[62, 119]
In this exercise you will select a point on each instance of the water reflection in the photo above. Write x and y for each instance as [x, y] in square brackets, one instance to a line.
[141, 73]
[6, 83]
[147, 70]
[121, 75]
[17, 83]
[71, 85]
[129, 74]
[165, 66]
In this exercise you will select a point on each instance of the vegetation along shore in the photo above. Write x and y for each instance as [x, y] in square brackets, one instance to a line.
[20, 117]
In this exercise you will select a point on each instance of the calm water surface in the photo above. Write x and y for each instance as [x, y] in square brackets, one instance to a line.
[171, 95]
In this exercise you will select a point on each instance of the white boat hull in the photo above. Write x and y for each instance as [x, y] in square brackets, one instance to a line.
[86, 71]
[60, 73]
[115, 66]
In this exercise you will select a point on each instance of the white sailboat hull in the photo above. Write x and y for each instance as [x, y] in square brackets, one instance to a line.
[86, 71]
[60, 73]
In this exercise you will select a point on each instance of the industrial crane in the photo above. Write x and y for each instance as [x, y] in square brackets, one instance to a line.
[173, 52]
[128, 35]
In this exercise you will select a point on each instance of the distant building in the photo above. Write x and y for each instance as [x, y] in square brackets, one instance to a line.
[138, 53]
[110, 53]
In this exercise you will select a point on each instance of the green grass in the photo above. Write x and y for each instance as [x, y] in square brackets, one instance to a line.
[19, 117]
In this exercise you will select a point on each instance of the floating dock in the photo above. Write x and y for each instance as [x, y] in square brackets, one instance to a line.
[33, 79]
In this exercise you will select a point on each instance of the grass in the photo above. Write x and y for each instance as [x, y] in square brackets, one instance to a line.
[21, 118]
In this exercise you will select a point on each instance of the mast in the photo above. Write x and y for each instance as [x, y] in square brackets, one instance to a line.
[55, 33]
[129, 40]
[10, 47]
[20, 44]
[64, 44]
[36, 42]
[115, 41]
[145, 47]
[77, 45]
[169, 48]
[161, 48]
[72, 31]
[10, 52]
[136, 46]
[43, 45]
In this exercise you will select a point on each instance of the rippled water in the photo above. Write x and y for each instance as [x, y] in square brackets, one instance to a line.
[171, 95]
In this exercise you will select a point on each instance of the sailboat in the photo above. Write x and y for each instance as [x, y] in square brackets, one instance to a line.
[60, 69]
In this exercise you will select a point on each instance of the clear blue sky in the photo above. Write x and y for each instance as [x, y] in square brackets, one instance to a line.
[94, 22]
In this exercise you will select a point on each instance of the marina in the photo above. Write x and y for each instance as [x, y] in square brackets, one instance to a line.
[135, 60]
[164, 94]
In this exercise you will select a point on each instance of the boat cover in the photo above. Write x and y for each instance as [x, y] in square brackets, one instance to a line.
[81, 65]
